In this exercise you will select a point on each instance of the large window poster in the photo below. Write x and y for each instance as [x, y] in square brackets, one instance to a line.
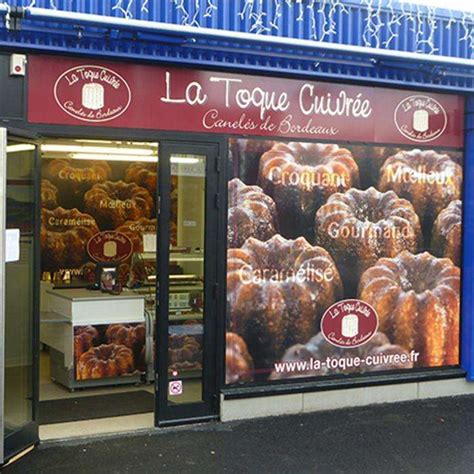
[342, 259]
[99, 210]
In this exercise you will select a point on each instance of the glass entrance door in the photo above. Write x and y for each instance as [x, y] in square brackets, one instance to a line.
[18, 308]
[187, 281]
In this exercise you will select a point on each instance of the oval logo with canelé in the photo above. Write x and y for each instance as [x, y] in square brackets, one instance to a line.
[92, 93]
[421, 118]
[109, 246]
[349, 323]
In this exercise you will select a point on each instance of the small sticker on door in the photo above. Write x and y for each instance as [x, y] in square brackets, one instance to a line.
[175, 387]
[189, 223]
[12, 245]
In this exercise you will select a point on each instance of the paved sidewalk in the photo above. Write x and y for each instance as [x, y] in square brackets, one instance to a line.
[435, 436]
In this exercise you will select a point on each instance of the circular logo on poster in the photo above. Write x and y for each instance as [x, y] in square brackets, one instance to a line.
[109, 246]
[92, 93]
[420, 118]
[349, 323]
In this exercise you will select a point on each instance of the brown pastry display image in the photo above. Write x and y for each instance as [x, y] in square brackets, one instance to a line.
[384, 220]
[369, 159]
[456, 155]
[114, 203]
[447, 231]
[239, 363]
[300, 177]
[417, 299]
[251, 214]
[429, 180]
[184, 352]
[106, 360]
[358, 227]
[49, 195]
[146, 176]
[64, 236]
[130, 335]
[85, 337]
[74, 177]
[143, 174]
[344, 360]
[99, 350]
[244, 155]
[276, 293]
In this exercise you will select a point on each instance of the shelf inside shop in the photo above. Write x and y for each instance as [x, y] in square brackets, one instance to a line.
[186, 329]
[185, 317]
[175, 256]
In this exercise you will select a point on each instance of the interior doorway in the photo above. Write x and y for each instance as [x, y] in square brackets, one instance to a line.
[18, 294]
[117, 272]
[98, 286]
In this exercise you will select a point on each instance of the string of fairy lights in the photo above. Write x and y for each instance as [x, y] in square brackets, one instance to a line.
[382, 23]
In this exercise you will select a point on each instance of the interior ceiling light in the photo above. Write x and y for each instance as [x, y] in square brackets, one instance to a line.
[182, 160]
[104, 142]
[113, 157]
[20, 147]
[116, 142]
[57, 148]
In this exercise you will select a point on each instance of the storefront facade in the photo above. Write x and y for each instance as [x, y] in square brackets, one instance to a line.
[245, 229]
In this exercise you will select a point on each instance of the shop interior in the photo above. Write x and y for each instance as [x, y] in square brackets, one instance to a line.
[98, 240]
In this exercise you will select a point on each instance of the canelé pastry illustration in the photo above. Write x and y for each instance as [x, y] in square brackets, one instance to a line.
[456, 155]
[114, 203]
[106, 360]
[359, 227]
[300, 177]
[245, 154]
[184, 352]
[85, 337]
[74, 177]
[251, 214]
[64, 237]
[146, 176]
[447, 231]
[344, 360]
[239, 363]
[130, 335]
[277, 292]
[430, 181]
[49, 195]
[143, 174]
[369, 159]
[417, 300]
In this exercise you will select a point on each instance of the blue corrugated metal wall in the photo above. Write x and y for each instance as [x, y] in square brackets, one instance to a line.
[377, 23]
[382, 24]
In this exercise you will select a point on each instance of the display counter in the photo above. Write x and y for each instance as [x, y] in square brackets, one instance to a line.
[84, 307]
[65, 312]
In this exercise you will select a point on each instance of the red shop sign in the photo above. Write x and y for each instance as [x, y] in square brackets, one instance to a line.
[109, 246]
[349, 323]
[70, 91]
